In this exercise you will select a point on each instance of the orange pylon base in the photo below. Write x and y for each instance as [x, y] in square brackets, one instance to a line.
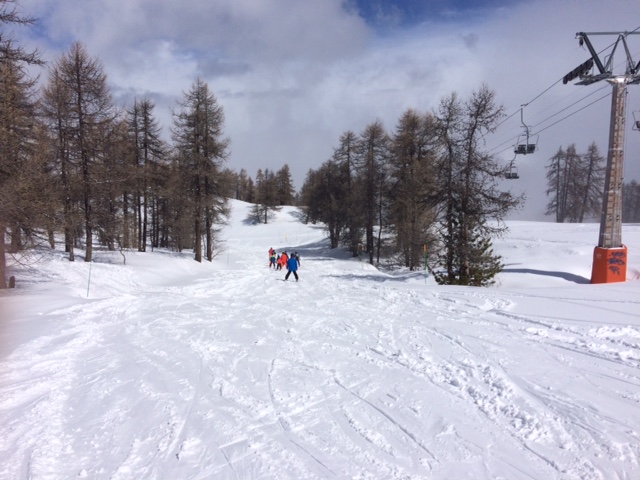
[609, 265]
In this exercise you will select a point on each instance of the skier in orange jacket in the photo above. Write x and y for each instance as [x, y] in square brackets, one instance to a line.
[282, 262]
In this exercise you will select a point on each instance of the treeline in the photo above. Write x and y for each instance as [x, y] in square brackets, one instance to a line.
[575, 184]
[575, 187]
[268, 192]
[75, 166]
[427, 189]
[631, 202]
[75, 163]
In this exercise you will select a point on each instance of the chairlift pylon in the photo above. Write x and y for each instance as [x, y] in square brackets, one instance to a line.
[525, 144]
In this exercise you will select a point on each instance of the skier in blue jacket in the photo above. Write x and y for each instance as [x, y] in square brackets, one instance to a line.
[292, 266]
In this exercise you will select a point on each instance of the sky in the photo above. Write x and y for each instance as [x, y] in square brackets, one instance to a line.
[292, 75]
[166, 368]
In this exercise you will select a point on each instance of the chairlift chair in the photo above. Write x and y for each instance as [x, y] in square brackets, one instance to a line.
[527, 143]
[512, 173]
[525, 148]
[636, 122]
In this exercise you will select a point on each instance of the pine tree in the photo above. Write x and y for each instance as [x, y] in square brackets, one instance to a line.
[346, 157]
[284, 186]
[555, 186]
[468, 194]
[10, 50]
[244, 187]
[17, 129]
[266, 196]
[413, 176]
[111, 176]
[474, 261]
[324, 193]
[80, 112]
[631, 202]
[592, 182]
[149, 151]
[575, 184]
[371, 182]
[572, 184]
[198, 137]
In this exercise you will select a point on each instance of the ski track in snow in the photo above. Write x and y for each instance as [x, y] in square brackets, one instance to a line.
[221, 371]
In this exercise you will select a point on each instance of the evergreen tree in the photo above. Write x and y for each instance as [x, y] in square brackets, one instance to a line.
[149, 151]
[17, 131]
[111, 175]
[572, 195]
[284, 186]
[266, 196]
[555, 186]
[468, 193]
[575, 184]
[631, 202]
[80, 112]
[324, 194]
[591, 183]
[198, 137]
[371, 182]
[55, 112]
[244, 187]
[475, 257]
[346, 157]
[10, 50]
[413, 176]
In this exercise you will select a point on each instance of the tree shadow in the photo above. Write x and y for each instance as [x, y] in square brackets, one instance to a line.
[570, 277]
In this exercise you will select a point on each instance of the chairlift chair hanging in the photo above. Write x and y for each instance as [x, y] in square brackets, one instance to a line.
[636, 122]
[512, 173]
[527, 143]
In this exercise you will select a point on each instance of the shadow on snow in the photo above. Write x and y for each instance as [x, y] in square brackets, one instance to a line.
[570, 277]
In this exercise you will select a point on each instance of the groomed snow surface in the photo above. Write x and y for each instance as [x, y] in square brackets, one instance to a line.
[164, 368]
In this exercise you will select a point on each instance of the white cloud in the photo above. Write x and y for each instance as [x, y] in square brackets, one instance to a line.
[293, 75]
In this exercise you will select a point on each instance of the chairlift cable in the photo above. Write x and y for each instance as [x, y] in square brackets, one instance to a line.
[555, 123]
[515, 137]
[514, 113]
[573, 113]
[569, 106]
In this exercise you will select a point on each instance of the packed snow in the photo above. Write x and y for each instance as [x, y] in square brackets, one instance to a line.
[159, 367]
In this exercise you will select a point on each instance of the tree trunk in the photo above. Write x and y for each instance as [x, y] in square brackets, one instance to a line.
[3, 260]
[125, 220]
[143, 243]
[15, 239]
[209, 238]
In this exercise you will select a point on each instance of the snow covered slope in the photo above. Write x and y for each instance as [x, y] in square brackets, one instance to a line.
[164, 368]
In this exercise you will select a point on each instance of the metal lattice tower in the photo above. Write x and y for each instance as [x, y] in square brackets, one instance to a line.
[611, 217]
[610, 255]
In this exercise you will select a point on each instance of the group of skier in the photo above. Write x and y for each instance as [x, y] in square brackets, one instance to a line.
[291, 263]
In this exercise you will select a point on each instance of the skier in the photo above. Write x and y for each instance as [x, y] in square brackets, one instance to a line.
[283, 261]
[292, 266]
[272, 258]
